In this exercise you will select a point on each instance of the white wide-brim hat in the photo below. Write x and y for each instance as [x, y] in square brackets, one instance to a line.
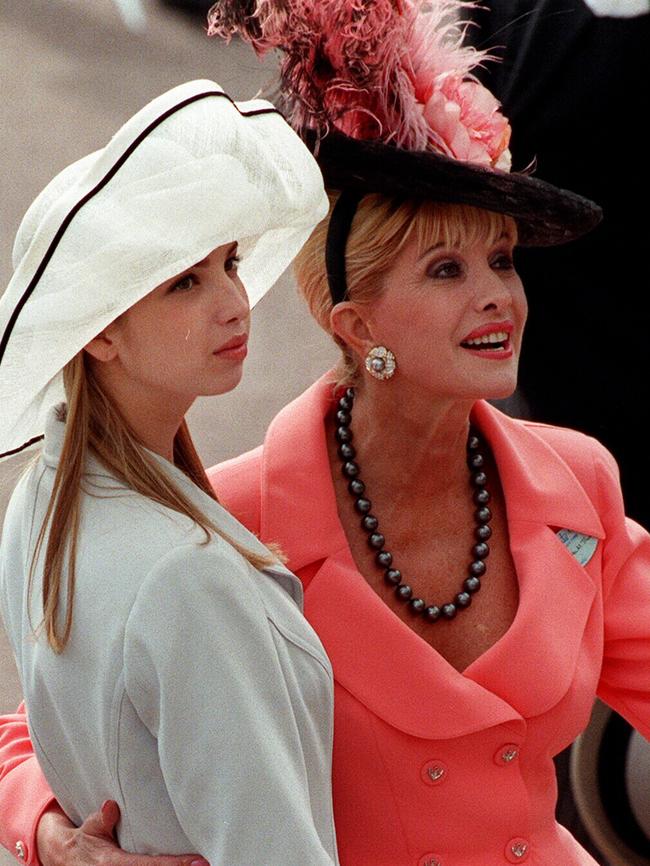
[189, 172]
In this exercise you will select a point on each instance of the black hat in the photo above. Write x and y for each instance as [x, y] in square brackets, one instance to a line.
[545, 214]
[384, 94]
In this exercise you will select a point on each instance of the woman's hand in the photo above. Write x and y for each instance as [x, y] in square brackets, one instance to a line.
[60, 843]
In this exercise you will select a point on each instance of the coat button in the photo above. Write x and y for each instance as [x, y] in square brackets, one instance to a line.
[517, 850]
[506, 754]
[430, 860]
[20, 850]
[434, 772]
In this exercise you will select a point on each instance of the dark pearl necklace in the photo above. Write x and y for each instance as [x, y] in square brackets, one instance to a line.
[370, 524]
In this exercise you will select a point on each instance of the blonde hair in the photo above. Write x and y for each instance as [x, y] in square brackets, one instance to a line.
[94, 423]
[380, 229]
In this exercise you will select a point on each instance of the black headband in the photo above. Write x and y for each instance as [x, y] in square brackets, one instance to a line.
[337, 237]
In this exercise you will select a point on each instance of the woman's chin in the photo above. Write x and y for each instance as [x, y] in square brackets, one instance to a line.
[498, 389]
[224, 384]
[501, 393]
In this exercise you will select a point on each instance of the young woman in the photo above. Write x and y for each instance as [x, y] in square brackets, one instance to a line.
[472, 577]
[118, 566]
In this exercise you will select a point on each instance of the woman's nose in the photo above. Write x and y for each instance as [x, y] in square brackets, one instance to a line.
[493, 293]
[232, 302]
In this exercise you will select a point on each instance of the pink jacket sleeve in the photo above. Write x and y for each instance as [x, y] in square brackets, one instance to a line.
[24, 792]
[625, 676]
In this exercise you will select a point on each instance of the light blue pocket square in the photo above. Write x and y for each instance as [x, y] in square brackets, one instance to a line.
[582, 547]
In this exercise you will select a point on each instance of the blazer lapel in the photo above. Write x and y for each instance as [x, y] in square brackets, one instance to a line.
[556, 592]
[385, 665]
[539, 485]
[297, 503]
[556, 597]
[374, 655]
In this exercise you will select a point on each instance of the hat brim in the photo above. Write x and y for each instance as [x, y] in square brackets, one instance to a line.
[545, 214]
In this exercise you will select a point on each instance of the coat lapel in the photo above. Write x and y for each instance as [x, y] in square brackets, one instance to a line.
[556, 593]
[556, 596]
[540, 486]
[297, 504]
[375, 656]
[386, 666]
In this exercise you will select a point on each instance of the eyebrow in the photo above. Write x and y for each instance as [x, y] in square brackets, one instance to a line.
[430, 250]
[505, 235]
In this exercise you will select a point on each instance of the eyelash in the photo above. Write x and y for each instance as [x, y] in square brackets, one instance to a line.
[177, 286]
[231, 265]
[506, 260]
[437, 270]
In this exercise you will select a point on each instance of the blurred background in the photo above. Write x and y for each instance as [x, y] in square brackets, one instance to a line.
[72, 71]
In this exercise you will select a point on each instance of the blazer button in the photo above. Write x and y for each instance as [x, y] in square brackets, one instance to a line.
[517, 850]
[21, 853]
[434, 772]
[506, 754]
[430, 860]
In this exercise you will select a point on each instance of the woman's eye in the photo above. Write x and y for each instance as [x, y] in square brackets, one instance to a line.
[184, 284]
[502, 262]
[445, 270]
[231, 264]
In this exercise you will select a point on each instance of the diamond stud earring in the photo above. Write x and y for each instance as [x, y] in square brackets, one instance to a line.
[381, 363]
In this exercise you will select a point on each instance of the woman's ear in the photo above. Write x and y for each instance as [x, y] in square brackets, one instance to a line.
[350, 323]
[103, 347]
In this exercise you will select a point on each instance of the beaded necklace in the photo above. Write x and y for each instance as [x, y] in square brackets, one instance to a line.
[370, 523]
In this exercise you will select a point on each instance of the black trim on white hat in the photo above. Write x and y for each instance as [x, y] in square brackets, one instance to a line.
[65, 223]
[97, 188]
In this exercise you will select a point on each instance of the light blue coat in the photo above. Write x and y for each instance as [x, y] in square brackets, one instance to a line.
[192, 691]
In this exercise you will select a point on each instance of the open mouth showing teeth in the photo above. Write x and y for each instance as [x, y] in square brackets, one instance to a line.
[499, 341]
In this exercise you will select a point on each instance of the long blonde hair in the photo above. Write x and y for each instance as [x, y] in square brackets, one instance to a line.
[380, 229]
[94, 424]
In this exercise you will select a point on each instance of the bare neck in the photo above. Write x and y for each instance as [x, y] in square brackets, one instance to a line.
[408, 443]
[154, 417]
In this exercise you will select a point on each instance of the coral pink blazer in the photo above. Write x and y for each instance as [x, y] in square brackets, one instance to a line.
[433, 767]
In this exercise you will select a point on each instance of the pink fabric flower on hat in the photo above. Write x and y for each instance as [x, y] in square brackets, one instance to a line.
[464, 117]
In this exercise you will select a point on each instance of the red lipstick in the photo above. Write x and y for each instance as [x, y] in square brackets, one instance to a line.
[494, 349]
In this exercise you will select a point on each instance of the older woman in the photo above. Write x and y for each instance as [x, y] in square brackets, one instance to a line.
[472, 577]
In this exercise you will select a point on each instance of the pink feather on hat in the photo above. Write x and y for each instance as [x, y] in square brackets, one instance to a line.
[392, 70]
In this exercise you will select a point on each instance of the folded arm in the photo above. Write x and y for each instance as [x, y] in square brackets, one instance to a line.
[36, 830]
[211, 678]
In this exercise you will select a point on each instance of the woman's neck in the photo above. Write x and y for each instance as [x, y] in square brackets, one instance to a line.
[407, 442]
[153, 417]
